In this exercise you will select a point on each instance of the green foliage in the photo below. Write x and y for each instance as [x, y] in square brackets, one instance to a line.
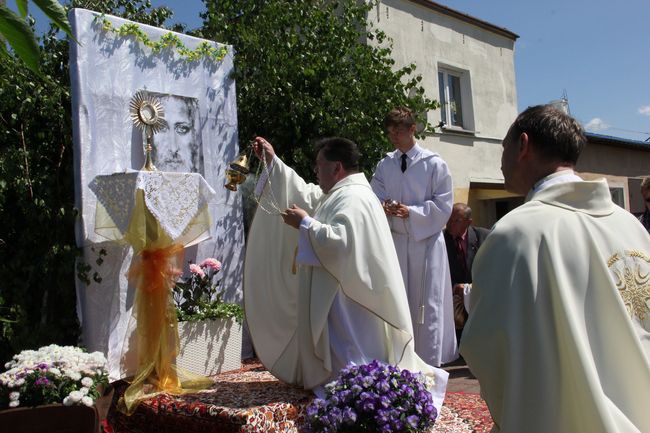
[304, 71]
[21, 36]
[37, 214]
[36, 198]
[214, 310]
[57, 13]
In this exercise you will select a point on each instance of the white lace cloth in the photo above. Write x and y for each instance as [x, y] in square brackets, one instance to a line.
[174, 199]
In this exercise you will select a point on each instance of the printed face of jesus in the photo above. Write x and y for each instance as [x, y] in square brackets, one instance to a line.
[177, 147]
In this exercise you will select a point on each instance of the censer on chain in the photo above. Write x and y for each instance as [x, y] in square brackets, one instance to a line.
[236, 175]
[239, 168]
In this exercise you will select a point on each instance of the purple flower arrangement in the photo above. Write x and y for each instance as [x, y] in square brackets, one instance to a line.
[373, 398]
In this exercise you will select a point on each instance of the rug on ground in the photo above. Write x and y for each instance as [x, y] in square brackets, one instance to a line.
[251, 400]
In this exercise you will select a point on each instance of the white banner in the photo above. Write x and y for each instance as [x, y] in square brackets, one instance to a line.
[198, 98]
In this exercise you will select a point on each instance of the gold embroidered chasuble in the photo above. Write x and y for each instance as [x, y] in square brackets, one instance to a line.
[559, 324]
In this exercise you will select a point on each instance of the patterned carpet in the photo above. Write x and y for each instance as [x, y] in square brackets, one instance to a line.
[463, 412]
[251, 400]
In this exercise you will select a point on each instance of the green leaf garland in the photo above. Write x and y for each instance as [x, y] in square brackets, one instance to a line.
[167, 41]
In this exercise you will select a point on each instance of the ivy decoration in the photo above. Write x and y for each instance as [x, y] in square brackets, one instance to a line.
[167, 41]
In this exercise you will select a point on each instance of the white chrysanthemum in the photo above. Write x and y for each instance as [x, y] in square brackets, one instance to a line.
[65, 363]
[66, 356]
[14, 403]
[87, 401]
[98, 357]
[73, 375]
[76, 396]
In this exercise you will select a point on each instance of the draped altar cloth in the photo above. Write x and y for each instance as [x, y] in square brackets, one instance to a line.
[177, 201]
[158, 214]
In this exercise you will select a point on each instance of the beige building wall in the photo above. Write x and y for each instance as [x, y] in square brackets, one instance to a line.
[615, 160]
[433, 37]
[623, 167]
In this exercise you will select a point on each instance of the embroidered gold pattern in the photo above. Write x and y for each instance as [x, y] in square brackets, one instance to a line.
[632, 278]
[612, 260]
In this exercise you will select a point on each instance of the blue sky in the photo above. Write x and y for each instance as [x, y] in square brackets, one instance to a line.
[597, 51]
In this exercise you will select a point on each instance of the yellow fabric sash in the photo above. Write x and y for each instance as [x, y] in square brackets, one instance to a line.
[157, 263]
[154, 272]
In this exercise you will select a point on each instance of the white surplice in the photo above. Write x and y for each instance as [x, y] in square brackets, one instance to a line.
[426, 188]
[558, 333]
[350, 308]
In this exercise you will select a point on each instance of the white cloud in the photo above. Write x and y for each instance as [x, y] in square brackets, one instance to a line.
[596, 124]
[645, 110]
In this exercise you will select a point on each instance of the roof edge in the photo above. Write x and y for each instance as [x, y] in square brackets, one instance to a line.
[608, 140]
[467, 18]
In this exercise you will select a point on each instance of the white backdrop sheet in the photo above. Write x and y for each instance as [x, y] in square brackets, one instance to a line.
[106, 71]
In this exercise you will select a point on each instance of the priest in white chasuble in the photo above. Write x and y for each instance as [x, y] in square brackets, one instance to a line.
[322, 285]
[558, 332]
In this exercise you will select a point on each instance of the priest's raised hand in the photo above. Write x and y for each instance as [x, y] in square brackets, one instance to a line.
[263, 148]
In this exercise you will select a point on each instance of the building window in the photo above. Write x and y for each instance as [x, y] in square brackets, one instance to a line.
[451, 101]
[618, 196]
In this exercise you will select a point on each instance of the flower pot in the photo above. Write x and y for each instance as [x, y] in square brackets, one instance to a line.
[210, 347]
[51, 418]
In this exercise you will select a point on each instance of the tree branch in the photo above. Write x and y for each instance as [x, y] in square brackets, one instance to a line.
[27, 176]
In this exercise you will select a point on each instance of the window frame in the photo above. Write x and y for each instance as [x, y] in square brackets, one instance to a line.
[466, 123]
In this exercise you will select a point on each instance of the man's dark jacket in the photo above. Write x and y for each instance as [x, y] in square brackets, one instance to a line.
[476, 236]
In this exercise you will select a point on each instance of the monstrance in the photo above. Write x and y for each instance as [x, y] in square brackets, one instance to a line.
[147, 115]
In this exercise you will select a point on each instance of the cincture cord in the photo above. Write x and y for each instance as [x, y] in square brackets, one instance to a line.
[424, 278]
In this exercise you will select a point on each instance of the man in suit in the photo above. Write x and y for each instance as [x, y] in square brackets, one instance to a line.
[462, 240]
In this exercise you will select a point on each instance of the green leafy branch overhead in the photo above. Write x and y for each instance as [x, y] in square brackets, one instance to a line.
[20, 36]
